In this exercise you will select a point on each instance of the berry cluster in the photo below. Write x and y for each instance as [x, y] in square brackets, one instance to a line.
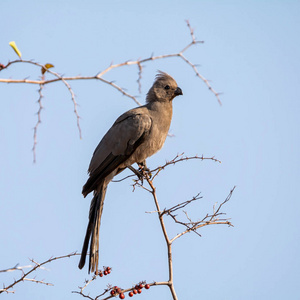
[138, 289]
[117, 290]
[106, 271]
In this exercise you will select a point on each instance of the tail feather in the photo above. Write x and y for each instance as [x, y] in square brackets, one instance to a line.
[92, 231]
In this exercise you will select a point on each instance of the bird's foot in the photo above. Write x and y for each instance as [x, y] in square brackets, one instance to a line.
[144, 170]
[138, 173]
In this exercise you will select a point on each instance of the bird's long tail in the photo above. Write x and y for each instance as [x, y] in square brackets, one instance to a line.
[92, 231]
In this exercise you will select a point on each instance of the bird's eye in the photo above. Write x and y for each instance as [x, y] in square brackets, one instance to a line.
[167, 87]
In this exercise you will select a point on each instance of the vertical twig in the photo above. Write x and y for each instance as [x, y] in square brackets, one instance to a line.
[38, 122]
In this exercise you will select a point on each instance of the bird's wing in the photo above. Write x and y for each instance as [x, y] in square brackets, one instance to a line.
[126, 134]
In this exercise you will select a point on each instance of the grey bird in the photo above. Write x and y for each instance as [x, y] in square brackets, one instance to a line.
[135, 135]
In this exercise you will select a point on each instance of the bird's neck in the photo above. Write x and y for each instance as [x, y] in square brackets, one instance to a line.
[161, 111]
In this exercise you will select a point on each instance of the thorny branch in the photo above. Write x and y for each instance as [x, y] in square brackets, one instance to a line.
[15, 268]
[99, 76]
[176, 159]
[24, 276]
[38, 122]
[180, 158]
[209, 219]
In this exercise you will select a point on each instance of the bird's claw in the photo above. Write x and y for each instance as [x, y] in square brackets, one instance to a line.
[144, 170]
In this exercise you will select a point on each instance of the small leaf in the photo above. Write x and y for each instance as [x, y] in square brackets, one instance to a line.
[14, 46]
[45, 67]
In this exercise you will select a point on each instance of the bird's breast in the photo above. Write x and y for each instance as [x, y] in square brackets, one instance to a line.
[153, 143]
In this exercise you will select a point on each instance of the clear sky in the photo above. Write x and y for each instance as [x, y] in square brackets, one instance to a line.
[251, 54]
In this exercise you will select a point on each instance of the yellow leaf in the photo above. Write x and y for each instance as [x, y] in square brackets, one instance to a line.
[46, 66]
[14, 46]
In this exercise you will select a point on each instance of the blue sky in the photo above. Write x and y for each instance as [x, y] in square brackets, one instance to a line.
[251, 54]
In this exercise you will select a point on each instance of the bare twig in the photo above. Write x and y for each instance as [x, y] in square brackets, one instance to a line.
[16, 268]
[37, 123]
[178, 158]
[43, 81]
[37, 281]
[87, 282]
[209, 219]
[33, 268]
[181, 205]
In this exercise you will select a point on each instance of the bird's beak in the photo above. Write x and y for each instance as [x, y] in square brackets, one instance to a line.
[178, 91]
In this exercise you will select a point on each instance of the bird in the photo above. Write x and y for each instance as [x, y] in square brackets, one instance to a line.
[135, 135]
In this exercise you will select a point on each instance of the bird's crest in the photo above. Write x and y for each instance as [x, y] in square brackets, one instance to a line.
[163, 76]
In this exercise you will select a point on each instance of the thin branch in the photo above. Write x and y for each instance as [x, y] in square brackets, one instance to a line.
[202, 78]
[16, 268]
[82, 288]
[120, 90]
[83, 295]
[194, 41]
[33, 268]
[212, 219]
[38, 122]
[43, 82]
[181, 205]
[38, 281]
[178, 158]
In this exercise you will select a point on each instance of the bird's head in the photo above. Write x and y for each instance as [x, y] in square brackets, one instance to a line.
[164, 89]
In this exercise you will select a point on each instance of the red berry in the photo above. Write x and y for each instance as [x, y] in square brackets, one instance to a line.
[139, 291]
[137, 287]
[141, 286]
[101, 274]
[130, 294]
[108, 271]
[112, 292]
[147, 286]
[119, 291]
[108, 268]
[115, 287]
[135, 291]
[105, 273]
[122, 296]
